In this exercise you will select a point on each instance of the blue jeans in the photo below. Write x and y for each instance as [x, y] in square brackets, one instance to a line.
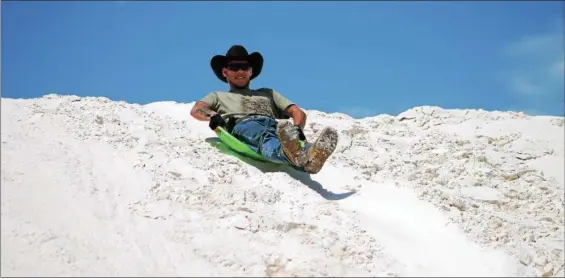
[260, 134]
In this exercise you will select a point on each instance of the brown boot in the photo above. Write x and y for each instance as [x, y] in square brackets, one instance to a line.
[321, 150]
[289, 137]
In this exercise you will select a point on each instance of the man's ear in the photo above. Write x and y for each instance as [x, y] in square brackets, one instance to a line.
[224, 70]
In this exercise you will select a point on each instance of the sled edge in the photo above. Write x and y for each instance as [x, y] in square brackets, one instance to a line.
[236, 144]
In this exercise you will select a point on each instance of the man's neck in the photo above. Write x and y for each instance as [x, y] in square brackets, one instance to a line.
[235, 88]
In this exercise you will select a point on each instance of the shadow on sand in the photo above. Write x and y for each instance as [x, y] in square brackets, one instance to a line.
[271, 167]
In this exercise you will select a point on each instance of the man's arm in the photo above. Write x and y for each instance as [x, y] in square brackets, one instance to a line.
[202, 111]
[290, 109]
[297, 114]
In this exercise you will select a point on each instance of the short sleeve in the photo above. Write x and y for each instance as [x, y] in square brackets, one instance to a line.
[280, 101]
[211, 99]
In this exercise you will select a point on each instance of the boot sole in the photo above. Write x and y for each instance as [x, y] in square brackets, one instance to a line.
[321, 150]
[291, 145]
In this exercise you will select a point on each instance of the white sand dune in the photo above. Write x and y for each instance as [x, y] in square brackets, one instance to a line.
[93, 187]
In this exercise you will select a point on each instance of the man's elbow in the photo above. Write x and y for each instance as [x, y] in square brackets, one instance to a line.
[193, 112]
[200, 111]
[295, 110]
[303, 113]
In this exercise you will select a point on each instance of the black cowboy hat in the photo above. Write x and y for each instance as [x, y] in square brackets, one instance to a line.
[237, 52]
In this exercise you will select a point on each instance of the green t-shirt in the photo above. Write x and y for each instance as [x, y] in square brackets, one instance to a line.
[242, 102]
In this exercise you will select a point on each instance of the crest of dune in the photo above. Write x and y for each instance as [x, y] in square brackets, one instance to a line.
[94, 187]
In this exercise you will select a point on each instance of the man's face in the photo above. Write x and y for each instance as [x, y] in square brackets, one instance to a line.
[238, 73]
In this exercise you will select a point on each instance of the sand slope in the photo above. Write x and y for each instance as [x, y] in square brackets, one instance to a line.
[93, 187]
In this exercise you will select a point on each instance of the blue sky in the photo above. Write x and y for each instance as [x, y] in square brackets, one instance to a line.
[360, 58]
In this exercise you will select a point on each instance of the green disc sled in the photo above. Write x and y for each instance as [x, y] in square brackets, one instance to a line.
[238, 146]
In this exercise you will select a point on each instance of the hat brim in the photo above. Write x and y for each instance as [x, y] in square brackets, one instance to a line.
[218, 62]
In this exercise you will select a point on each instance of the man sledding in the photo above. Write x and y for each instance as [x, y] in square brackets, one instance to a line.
[250, 115]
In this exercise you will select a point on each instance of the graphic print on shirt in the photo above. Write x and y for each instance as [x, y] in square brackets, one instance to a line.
[257, 104]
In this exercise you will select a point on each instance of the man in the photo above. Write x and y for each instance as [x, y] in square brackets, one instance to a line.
[250, 114]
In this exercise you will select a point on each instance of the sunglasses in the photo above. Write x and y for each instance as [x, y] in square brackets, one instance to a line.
[238, 66]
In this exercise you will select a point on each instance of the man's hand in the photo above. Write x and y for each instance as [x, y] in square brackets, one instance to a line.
[215, 121]
[297, 114]
[301, 135]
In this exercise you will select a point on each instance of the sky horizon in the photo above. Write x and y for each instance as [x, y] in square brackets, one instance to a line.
[358, 58]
